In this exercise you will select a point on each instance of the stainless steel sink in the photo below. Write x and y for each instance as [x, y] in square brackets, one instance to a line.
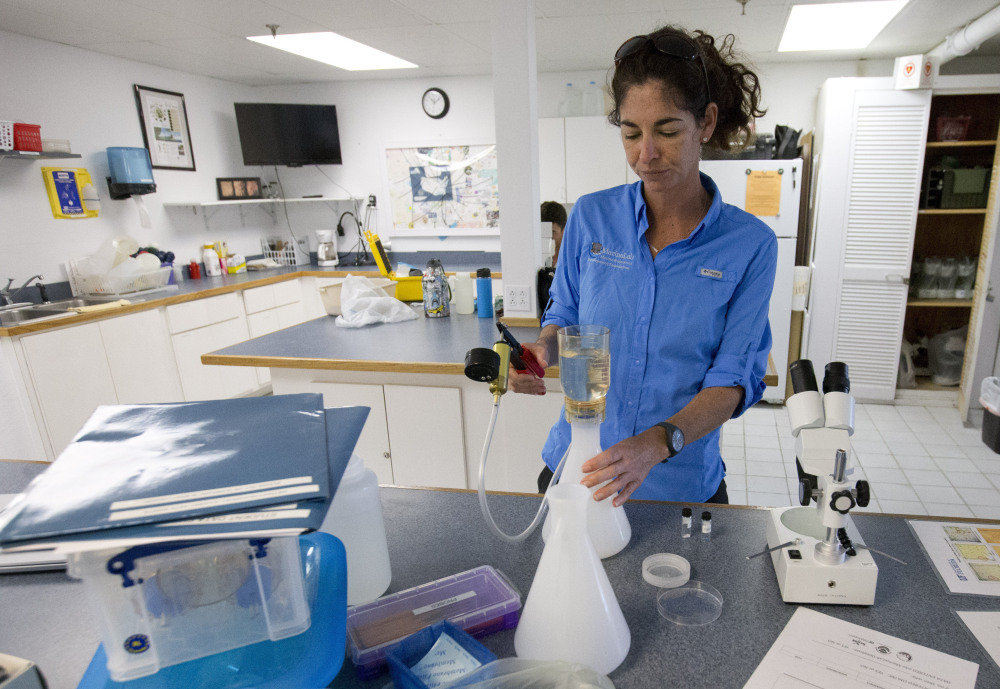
[30, 314]
[75, 302]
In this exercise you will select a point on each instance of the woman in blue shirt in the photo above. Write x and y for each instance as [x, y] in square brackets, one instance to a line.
[681, 279]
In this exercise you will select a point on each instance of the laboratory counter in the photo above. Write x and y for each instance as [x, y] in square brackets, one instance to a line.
[422, 345]
[437, 533]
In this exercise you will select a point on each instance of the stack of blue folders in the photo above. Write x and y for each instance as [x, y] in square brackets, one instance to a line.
[239, 468]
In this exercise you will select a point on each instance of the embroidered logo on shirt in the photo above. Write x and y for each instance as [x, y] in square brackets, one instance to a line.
[615, 259]
[709, 273]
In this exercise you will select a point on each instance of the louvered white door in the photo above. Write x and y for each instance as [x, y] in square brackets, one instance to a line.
[870, 140]
[886, 163]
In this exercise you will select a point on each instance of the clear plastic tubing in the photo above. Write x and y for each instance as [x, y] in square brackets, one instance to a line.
[490, 522]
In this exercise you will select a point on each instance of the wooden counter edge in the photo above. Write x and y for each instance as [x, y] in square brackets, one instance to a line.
[156, 303]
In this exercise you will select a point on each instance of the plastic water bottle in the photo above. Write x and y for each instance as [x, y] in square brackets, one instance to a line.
[484, 293]
[593, 100]
[355, 517]
[574, 105]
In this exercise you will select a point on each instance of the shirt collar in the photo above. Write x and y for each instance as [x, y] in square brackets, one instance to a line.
[642, 221]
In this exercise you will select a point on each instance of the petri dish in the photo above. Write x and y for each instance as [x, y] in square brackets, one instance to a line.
[692, 604]
[666, 570]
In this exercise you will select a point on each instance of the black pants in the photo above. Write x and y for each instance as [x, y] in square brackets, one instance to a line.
[721, 496]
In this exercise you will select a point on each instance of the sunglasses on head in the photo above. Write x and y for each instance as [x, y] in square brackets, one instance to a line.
[672, 45]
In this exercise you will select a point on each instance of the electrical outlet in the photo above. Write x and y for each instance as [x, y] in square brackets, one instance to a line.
[516, 298]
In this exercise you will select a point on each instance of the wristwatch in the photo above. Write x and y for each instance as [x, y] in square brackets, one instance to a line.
[675, 438]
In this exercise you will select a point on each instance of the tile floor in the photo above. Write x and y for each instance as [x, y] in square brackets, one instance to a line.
[918, 460]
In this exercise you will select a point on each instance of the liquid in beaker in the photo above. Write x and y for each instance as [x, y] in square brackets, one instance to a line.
[584, 370]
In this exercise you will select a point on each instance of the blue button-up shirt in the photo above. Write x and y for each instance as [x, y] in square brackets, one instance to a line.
[693, 317]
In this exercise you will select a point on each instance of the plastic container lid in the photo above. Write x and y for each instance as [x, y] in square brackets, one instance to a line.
[693, 604]
[666, 570]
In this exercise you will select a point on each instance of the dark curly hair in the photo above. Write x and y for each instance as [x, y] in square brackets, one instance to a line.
[733, 86]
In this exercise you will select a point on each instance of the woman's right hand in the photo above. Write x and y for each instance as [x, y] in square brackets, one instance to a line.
[525, 381]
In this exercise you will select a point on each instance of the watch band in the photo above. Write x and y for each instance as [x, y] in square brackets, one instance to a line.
[675, 438]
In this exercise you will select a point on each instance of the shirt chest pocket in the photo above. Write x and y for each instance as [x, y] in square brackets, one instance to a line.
[715, 285]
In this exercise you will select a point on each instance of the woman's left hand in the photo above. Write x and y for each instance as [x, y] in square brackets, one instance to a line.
[625, 465]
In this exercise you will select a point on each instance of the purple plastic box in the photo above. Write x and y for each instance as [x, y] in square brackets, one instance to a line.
[481, 601]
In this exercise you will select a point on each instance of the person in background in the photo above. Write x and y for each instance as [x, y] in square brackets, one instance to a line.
[681, 279]
[552, 212]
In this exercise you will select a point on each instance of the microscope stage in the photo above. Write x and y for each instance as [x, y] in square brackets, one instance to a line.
[804, 579]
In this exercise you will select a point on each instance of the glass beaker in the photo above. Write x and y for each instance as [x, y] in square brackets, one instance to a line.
[947, 275]
[929, 278]
[584, 370]
[966, 278]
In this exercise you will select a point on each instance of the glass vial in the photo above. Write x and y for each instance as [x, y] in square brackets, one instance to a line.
[706, 525]
[686, 522]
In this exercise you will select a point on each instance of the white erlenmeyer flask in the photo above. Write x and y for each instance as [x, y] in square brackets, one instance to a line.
[607, 525]
[571, 613]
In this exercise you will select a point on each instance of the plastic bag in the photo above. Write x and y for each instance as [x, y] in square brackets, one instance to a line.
[989, 394]
[362, 304]
[945, 353]
[515, 673]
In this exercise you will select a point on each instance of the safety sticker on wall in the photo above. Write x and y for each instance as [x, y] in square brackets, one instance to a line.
[71, 192]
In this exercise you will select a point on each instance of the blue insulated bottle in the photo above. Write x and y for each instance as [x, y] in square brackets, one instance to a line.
[484, 293]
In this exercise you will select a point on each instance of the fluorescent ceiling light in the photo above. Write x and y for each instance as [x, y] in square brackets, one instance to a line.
[837, 26]
[333, 49]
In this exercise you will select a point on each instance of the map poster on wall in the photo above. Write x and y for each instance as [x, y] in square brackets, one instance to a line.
[442, 188]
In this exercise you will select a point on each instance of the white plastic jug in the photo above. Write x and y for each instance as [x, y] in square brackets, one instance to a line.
[355, 517]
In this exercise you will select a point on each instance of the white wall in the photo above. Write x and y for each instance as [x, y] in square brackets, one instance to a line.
[87, 97]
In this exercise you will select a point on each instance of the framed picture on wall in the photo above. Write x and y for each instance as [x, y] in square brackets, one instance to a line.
[238, 188]
[163, 116]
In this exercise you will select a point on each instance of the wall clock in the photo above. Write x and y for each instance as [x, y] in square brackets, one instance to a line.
[435, 103]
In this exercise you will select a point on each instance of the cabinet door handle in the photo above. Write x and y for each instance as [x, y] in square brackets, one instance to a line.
[386, 455]
[989, 293]
[897, 278]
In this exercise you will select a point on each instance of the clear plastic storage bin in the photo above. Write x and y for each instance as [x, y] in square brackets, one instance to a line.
[479, 601]
[167, 603]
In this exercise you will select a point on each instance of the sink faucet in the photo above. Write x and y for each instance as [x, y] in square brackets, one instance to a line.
[7, 296]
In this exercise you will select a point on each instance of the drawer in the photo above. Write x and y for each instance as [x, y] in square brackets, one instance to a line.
[202, 312]
[288, 292]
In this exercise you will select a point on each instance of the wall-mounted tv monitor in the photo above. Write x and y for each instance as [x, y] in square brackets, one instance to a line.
[288, 134]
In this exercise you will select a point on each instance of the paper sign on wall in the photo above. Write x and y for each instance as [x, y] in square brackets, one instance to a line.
[763, 192]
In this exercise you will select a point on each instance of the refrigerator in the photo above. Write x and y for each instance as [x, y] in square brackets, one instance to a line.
[732, 177]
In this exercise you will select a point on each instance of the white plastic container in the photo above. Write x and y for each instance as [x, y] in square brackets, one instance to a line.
[355, 517]
[464, 293]
[162, 608]
[211, 260]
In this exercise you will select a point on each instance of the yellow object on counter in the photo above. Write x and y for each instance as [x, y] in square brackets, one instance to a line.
[408, 288]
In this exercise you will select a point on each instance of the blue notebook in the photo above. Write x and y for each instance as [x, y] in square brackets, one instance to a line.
[264, 466]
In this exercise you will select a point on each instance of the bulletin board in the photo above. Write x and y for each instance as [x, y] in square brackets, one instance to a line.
[439, 189]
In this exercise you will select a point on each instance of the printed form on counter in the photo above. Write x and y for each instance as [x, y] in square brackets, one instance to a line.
[966, 556]
[816, 650]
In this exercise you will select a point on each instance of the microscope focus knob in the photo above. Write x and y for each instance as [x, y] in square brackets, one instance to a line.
[862, 493]
[842, 501]
[805, 492]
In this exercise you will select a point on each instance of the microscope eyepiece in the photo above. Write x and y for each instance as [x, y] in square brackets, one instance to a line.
[835, 378]
[803, 376]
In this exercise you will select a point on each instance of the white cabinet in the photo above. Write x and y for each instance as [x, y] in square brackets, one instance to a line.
[70, 374]
[577, 156]
[425, 436]
[414, 434]
[202, 326]
[270, 308]
[141, 359]
[123, 360]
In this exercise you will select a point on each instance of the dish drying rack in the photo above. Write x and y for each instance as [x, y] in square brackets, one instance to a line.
[280, 251]
[117, 286]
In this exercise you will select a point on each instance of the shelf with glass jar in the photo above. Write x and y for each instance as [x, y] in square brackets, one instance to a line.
[942, 281]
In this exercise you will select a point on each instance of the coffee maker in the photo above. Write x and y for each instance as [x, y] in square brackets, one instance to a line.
[326, 248]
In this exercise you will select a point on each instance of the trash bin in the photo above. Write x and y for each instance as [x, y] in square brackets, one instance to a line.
[989, 397]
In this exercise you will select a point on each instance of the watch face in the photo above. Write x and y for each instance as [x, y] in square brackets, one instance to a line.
[677, 440]
[435, 103]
